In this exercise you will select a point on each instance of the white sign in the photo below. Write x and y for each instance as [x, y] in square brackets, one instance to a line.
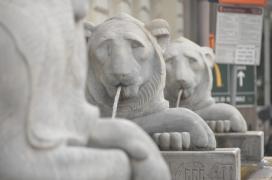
[245, 54]
[238, 35]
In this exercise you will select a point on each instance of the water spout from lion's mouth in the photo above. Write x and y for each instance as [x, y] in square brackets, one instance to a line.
[179, 97]
[116, 100]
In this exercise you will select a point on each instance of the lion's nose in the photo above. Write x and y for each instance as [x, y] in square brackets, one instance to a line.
[121, 76]
[183, 83]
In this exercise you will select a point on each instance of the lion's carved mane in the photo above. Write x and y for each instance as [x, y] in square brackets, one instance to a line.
[150, 98]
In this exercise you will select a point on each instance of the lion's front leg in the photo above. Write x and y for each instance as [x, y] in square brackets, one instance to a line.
[175, 141]
[146, 161]
[179, 120]
[21, 162]
[223, 118]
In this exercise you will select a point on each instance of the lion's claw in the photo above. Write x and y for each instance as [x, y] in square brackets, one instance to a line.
[219, 126]
[175, 141]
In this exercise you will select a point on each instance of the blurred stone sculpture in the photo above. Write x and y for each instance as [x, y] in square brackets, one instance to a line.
[189, 84]
[126, 60]
[48, 130]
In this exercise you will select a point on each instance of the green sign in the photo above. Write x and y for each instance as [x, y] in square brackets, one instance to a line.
[221, 91]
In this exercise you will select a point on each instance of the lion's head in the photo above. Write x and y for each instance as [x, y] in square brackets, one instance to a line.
[188, 68]
[123, 52]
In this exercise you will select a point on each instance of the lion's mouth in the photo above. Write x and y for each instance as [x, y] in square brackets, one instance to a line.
[184, 93]
[179, 97]
[129, 91]
[122, 85]
[123, 94]
[115, 103]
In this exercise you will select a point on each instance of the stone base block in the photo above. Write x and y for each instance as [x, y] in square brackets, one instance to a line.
[251, 144]
[221, 164]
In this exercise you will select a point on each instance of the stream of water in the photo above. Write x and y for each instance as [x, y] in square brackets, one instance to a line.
[115, 104]
[179, 96]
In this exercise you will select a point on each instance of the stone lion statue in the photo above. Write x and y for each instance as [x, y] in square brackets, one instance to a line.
[123, 53]
[188, 68]
[48, 130]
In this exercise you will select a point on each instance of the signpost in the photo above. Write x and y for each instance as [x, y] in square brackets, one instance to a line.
[238, 35]
[237, 49]
[245, 95]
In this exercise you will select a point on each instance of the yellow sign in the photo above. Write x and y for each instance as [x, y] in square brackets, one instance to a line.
[218, 76]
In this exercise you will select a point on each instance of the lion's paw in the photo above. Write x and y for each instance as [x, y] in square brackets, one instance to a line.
[172, 141]
[219, 126]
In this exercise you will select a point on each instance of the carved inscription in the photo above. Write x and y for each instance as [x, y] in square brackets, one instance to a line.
[199, 171]
[187, 171]
[221, 172]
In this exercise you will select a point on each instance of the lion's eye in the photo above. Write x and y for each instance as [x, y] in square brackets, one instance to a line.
[104, 51]
[169, 60]
[109, 49]
[138, 49]
[105, 47]
[136, 44]
[192, 60]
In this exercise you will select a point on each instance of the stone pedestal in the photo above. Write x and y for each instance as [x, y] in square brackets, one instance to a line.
[251, 144]
[221, 164]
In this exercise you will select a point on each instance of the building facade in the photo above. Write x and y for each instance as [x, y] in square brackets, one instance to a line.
[144, 10]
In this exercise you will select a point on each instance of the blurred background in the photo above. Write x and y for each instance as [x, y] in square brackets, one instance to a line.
[196, 20]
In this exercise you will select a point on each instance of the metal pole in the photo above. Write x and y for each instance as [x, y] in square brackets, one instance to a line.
[267, 85]
[204, 22]
[255, 87]
[233, 90]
